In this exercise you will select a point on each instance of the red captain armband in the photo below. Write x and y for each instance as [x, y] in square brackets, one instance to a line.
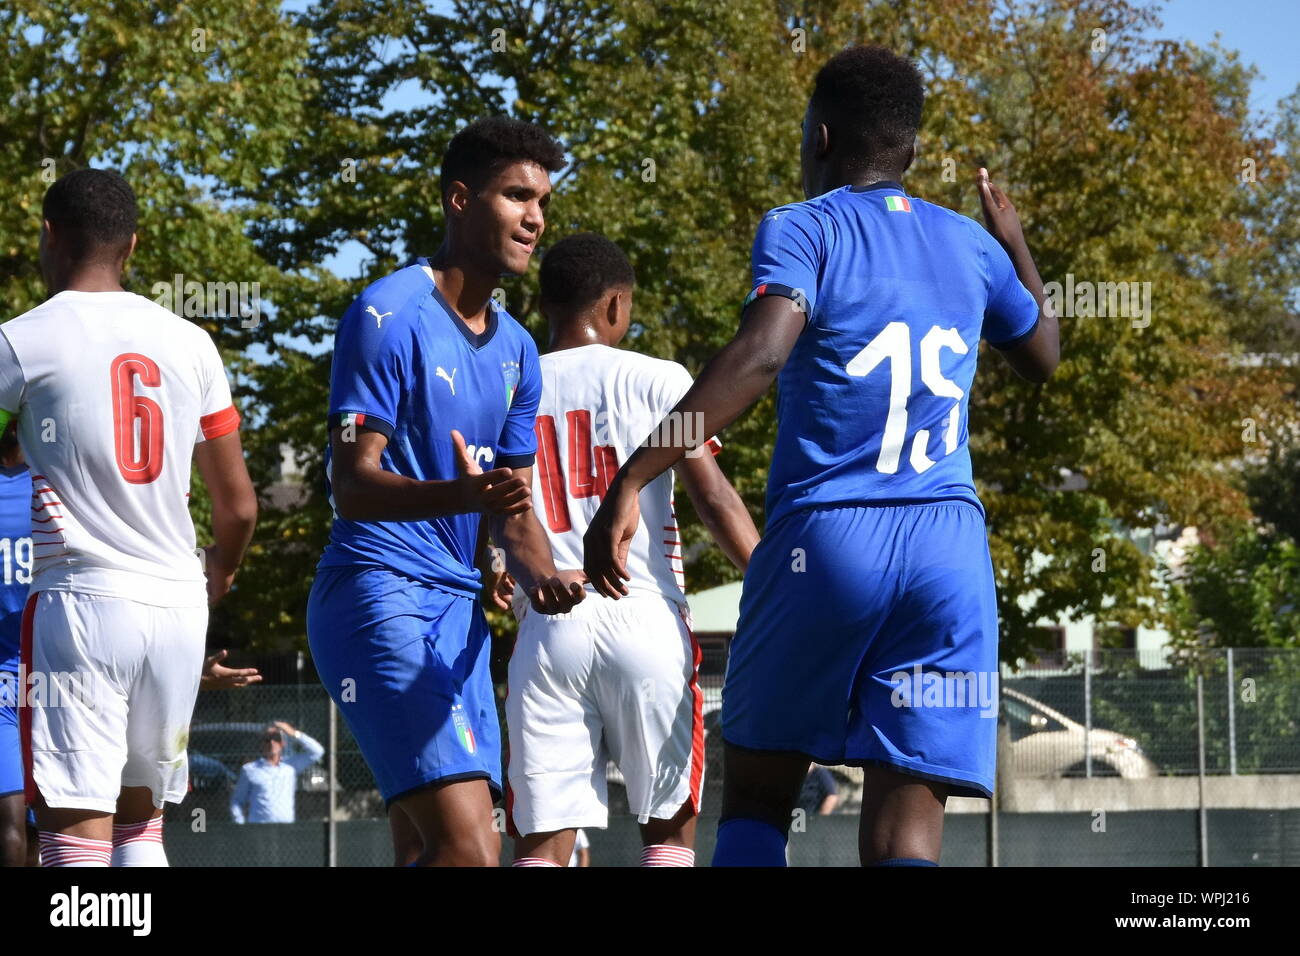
[775, 288]
[219, 423]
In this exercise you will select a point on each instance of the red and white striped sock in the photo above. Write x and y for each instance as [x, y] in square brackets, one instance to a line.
[664, 855]
[62, 849]
[534, 861]
[139, 844]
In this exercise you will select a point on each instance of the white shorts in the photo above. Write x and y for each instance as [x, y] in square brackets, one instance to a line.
[611, 680]
[111, 692]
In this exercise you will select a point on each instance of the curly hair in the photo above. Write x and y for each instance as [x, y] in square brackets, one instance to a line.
[482, 148]
[579, 269]
[873, 98]
[94, 211]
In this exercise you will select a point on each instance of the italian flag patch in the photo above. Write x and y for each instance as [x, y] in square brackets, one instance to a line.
[898, 204]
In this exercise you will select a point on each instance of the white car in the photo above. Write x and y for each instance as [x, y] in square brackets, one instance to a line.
[1046, 743]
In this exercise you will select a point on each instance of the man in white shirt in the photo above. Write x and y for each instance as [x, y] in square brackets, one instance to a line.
[610, 679]
[265, 791]
[115, 397]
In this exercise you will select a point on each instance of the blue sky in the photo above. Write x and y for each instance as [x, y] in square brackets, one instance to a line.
[1265, 32]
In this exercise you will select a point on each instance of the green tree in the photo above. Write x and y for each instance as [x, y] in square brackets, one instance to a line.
[1125, 154]
[1240, 586]
[192, 103]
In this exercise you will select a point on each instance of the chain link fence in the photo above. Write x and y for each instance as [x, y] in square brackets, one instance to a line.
[1135, 736]
[1136, 714]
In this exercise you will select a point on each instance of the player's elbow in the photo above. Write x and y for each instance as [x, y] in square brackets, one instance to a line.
[723, 512]
[238, 508]
[765, 365]
[1039, 373]
[716, 502]
[349, 503]
[344, 504]
[1035, 363]
[234, 513]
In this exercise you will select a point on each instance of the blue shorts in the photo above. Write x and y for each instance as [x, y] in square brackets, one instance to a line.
[407, 665]
[869, 636]
[11, 750]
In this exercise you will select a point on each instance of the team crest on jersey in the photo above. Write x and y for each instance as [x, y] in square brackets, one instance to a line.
[464, 733]
[510, 372]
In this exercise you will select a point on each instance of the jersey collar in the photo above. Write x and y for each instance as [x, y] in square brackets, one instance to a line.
[882, 184]
[475, 340]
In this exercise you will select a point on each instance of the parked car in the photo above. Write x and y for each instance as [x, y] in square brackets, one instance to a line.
[1046, 743]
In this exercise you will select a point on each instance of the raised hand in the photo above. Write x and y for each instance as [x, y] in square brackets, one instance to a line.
[496, 492]
[1000, 217]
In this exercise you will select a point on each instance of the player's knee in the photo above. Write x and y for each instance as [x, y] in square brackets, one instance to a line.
[460, 855]
[901, 850]
[471, 849]
[911, 840]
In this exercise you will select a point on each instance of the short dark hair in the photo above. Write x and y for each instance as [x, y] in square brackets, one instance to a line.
[94, 210]
[872, 98]
[579, 269]
[481, 149]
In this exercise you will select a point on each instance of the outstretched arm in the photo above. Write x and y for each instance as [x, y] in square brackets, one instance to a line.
[735, 379]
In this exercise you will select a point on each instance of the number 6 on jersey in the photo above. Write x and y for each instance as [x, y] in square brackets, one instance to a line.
[139, 450]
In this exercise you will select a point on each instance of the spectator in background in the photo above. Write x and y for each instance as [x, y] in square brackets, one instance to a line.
[267, 786]
[581, 850]
[819, 795]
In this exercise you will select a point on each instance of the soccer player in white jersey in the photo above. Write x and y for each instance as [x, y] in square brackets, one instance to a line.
[609, 679]
[114, 397]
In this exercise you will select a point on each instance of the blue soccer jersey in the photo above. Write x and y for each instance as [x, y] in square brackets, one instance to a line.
[872, 403]
[407, 366]
[15, 559]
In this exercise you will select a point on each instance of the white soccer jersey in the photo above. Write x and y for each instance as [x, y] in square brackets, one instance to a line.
[598, 405]
[112, 392]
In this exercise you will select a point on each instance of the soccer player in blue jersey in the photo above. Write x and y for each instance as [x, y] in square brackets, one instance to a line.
[868, 621]
[433, 397]
[17, 824]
